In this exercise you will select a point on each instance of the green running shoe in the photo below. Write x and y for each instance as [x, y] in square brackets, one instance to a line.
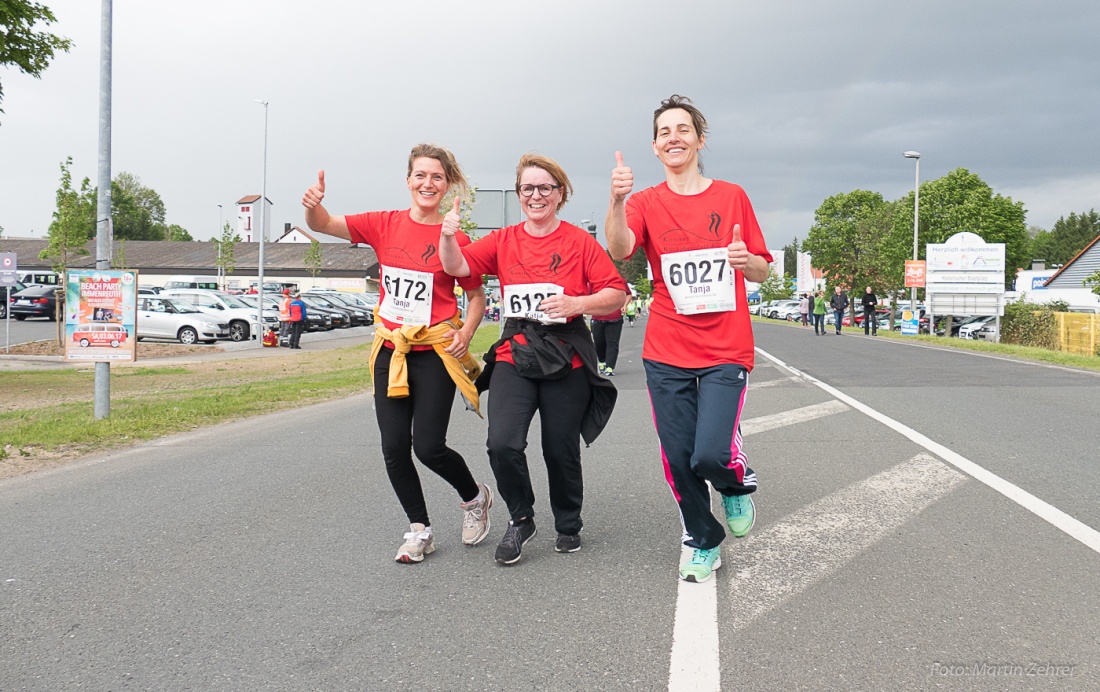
[740, 513]
[701, 565]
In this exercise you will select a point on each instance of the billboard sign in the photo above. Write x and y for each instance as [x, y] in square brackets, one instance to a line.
[100, 315]
[914, 273]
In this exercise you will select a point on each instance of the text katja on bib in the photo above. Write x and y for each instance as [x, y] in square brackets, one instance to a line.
[522, 301]
[408, 298]
[700, 281]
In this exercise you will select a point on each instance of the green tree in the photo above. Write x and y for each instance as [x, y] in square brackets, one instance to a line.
[643, 286]
[774, 288]
[790, 257]
[225, 261]
[633, 268]
[138, 211]
[20, 45]
[961, 201]
[177, 232]
[118, 259]
[68, 233]
[313, 259]
[1067, 238]
[850, 238]
[1094, 281]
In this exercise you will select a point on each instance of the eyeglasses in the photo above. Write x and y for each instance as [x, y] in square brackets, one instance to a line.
[544, 190]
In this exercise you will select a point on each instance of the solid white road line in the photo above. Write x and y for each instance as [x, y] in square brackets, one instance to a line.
[694, 661]
[793, 417]
[1056, 517]
[807, 546]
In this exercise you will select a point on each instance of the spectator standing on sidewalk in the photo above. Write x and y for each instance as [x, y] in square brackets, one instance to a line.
[819, 313]
[420, 355]
[297, 318]
[870, 318]
[838, 303]
[701, 237]
[804, 309]
[284, 315]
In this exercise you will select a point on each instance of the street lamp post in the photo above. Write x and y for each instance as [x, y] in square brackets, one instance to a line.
[263, 233]
[916, 217]
[218, 240]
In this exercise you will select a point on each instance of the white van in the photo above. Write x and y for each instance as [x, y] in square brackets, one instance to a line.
[209, 283]
[242, 319]
[39, 278]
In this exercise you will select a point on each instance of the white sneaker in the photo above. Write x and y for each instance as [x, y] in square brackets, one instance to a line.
[418, 543]
[475, 519]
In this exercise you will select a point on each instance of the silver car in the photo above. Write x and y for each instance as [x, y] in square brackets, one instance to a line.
[164, 318]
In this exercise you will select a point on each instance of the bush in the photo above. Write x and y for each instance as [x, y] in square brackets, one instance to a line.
[1027, 324]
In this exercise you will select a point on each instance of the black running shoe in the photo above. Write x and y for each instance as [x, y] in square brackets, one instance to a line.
[511, 546]
[568, 544]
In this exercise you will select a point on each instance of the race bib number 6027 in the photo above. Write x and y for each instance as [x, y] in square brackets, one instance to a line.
[700, 281]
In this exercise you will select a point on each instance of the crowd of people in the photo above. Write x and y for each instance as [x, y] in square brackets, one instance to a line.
[697, 354]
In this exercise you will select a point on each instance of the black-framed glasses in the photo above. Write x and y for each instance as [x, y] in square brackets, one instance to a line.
[544, 189]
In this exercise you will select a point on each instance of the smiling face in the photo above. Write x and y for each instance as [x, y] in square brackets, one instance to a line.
[677, 143]
[537, 207]
[428, 184]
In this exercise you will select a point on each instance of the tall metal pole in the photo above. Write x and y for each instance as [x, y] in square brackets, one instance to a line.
[916, 219]
[104, 240]
[218, 240]
[263, 233]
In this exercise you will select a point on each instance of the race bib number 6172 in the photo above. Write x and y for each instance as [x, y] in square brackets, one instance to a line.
[700, 281]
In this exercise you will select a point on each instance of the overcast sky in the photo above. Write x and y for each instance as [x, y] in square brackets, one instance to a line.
[805, 100]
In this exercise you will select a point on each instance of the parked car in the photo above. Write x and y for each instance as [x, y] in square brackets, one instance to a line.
[5, 295]
[970, 329]
[879, 314]
[788, 311]
[922, 320]
[35, 301]
[100, 334]
[165, 318]
[243, 320]
[340, 318]
[360, 314]
[760, 308]
[989, 332]
[785, 305]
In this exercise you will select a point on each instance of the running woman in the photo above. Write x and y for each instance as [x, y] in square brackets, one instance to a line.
[551, 273]
[420, 352]
[702, 241]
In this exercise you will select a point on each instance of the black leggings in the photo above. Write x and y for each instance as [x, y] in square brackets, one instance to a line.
[607, 336]
[561, 404]
[419, 423]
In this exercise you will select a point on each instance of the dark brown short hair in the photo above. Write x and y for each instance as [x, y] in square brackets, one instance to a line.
[683, 103]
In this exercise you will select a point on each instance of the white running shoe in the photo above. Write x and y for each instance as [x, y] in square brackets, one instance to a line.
[418, 543]
[475, 519]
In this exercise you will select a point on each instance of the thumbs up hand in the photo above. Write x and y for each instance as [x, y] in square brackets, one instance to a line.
[737, 253]
[316, 193]
[622, 179]
[452, 222]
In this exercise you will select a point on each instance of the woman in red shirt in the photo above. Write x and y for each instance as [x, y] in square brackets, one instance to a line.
[551, 274]
[416, 291]
[702, 241]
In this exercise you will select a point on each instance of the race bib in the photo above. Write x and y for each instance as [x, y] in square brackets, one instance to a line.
[408, 296]
[700, 281]
[522, 300]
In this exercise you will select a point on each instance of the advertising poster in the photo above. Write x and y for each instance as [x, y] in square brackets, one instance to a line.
[910, 322]
[914, 273]
[100, 315]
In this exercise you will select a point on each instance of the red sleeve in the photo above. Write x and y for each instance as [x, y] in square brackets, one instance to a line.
[481, 254]
[635, 220]
[473, 281]
[364, 228]
[599, 267]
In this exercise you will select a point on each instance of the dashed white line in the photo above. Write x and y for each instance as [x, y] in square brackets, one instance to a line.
[793, 417]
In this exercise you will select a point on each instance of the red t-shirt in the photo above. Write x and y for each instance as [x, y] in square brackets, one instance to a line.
[402, 243]
[665, 222]
[568, 257]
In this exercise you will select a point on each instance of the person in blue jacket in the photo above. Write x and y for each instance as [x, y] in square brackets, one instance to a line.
[297, 319]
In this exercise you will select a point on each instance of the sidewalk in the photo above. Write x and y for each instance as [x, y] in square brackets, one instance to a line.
[224, 350]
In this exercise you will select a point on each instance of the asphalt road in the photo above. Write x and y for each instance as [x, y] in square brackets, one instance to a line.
[13, 331]
[259, 555]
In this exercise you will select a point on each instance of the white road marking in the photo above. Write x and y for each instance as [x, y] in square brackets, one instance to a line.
[1056, 517]
[793, 417]
[772, 383]
[694, 661]
[789, 555]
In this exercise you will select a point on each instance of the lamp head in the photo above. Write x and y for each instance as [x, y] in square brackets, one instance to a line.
[912, 154]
